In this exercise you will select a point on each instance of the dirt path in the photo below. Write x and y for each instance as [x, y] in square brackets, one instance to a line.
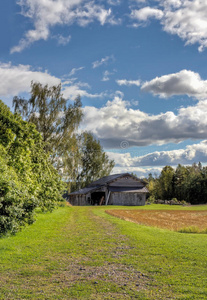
[97, 259]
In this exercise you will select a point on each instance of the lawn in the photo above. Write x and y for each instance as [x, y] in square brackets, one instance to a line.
[84, 253]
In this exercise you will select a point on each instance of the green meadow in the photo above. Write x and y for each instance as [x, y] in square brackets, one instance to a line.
[84, 253]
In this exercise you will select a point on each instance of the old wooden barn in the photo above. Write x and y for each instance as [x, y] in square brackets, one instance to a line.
[118, 189]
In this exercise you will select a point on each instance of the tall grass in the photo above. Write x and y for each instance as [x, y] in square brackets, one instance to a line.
[192, 229]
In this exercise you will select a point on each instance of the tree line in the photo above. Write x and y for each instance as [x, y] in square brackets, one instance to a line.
[188, 183]
[42, 154]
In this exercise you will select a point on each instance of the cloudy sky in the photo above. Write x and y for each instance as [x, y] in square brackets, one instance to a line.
[140, 67]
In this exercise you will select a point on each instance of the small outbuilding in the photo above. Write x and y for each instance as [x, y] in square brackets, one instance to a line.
[117, 189]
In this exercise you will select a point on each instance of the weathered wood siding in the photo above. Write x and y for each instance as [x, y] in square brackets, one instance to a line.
[79, 200]
[127, 182]
[117, 198]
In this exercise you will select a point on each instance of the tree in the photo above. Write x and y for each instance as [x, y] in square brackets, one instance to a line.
[27, 177]
[152, 185]
[166, 183]
[79, 158]
[55, 118]
[94, 162]
[181, 182]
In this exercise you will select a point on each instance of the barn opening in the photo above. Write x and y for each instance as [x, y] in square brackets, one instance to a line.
[98, 198]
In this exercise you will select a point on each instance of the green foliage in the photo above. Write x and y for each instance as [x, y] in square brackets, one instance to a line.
[56, 119]
[186, 182]
[27, 177]
[94, 163]
[15, 204]
[192, 229]
[151, 199]
[79, 159]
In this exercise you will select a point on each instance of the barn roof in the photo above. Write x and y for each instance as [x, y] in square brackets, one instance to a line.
[84, 190]
[103, 181]
[107, 179]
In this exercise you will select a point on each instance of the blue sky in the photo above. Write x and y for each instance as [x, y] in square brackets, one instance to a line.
[139, 67]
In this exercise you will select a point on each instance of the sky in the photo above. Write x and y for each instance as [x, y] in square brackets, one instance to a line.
[138, 65]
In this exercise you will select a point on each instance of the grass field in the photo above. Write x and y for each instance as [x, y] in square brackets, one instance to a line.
[84, 253]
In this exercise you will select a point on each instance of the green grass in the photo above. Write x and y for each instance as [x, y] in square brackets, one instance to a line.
[84, 253]
[192, 229]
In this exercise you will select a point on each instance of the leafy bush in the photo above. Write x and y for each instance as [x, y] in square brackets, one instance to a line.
[16, 205]
[192, 229]
[27, 177]
[151, 199]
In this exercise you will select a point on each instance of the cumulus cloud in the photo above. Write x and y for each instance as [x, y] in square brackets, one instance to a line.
[78, 89]
[46, 14]
[119, 126]
[191, 154]
[185, 18]
[17, 79]
[146, 13]
[184, 82]
[141, 172]
[128, 82]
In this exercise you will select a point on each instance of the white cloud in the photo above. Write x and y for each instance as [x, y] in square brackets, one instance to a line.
[101, 62]
[74, 90]
[184, 82]
[107, 74]
[185, 18]
[114, 2]
[116, 124]
[62, 40]
[146, 13]
[46, 14]
[141, 172]
[75, 70]
[128, 82]
[17, 79]
[191, 154]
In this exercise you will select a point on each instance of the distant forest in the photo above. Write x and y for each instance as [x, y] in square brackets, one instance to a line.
[188, 183]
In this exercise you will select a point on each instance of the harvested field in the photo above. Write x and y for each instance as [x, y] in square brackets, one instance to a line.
[167, 219]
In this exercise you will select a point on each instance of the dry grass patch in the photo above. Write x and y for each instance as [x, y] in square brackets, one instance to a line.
[168, 219]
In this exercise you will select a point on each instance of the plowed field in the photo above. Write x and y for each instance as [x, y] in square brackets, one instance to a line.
[168, 219]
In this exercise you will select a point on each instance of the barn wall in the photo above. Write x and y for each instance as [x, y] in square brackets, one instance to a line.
[118, 198]
[127, 181]
[79, 200]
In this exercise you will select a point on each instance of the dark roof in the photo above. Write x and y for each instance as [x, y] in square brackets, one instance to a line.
[107, 179]
[102, 181]
[84, 190]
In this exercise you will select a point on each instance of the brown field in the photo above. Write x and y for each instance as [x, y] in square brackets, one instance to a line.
[167, 219]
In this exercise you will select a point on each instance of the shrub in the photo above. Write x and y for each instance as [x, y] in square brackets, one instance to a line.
[151, 199]
[192, 229]
[27, 177]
